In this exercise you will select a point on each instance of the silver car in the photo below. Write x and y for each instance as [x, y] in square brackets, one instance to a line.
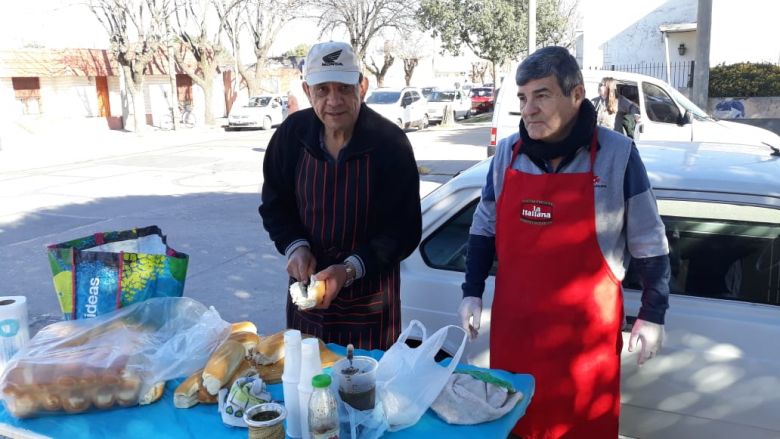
[718, 375]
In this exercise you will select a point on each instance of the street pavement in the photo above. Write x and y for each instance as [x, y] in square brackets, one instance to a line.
[199, 185]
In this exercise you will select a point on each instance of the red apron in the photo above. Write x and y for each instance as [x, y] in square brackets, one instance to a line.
[558, 307]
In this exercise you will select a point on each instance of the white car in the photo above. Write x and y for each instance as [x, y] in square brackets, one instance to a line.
[717, 376]
[456, 99]
[406, 107]
[259, 112]
[665, 113]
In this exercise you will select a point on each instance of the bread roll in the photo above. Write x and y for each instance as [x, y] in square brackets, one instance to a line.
[20, 401]
[129, 387]
[222, 365]
[105, 394]
[248, 339]
[243, 327]
[74, 399]
[49, 398]
[317, 290]
[245, 369]
[154, 394]
[186, 395]
[269, 350]
[205, 397]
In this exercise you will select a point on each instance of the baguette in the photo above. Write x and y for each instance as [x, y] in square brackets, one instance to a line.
[222, 364]
[248, 339]
[155, 393]
[205, 397]
[186, 395]
[243, 327]
[270, 349]
[245, 369]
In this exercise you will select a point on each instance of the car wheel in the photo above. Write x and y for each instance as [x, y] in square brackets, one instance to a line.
[267, 123]
[467, 115]
[424, 122]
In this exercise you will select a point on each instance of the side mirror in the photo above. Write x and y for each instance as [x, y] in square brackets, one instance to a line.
[685, 118]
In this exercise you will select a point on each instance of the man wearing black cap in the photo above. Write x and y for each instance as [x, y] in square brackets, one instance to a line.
[341, 200]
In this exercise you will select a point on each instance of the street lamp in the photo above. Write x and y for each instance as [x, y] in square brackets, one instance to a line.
[681, 49]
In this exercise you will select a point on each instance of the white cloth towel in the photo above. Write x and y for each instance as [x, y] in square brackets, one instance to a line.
[467, 400]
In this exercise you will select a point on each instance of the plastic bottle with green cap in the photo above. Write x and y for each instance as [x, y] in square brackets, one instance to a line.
[323, 409]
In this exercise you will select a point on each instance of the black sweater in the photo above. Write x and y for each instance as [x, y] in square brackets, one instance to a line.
[395, 220]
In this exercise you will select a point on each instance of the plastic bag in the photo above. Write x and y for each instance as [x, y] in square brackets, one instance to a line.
[116, 359]
[409, 379]
[99, 273]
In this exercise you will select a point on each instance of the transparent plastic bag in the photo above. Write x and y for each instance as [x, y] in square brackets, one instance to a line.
[116, 359]
[409, 379]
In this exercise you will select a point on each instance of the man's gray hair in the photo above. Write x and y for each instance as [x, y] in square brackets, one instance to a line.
[551, 60]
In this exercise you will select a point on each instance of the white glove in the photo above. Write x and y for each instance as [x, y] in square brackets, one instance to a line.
[470, 308]
[651, 336]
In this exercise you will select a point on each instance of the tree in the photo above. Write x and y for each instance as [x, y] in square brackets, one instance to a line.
[136, 34]
[411, 49]
[364, 20]
[388, 59]
[192, 26]
[262, 19]
[478, 70]
[495, 30]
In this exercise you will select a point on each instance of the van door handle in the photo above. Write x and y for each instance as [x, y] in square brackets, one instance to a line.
[629, 323]
[641, 128]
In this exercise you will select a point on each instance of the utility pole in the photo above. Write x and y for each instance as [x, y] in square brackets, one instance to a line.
[701, 73]
[531, 26]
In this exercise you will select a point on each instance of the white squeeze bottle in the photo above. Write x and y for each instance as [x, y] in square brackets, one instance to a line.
[290, 377]
[310, 366]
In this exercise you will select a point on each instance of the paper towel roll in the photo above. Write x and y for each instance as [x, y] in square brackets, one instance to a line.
[14, 331]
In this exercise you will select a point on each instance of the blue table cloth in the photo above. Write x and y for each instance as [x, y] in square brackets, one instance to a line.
[163, 420]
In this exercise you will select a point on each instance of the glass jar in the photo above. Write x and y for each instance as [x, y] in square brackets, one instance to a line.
[323, 409]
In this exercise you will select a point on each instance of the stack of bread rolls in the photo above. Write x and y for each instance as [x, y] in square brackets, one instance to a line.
[74, 384]
[229, 362]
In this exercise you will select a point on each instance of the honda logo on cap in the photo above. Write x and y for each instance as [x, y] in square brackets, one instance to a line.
[536, 212]
[331, 58]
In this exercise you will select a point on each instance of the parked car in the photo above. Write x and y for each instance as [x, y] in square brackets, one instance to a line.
[482, 99]
[665, 113]
[260, 111]
[716, 376]
[426, 91]
[406, 106]
[456, 99]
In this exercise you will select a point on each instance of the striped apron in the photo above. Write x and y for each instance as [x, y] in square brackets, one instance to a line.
[334, 203]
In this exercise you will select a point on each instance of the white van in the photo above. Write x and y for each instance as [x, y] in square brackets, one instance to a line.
[666, 113]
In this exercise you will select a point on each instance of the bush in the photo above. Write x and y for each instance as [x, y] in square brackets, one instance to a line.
[745, 80]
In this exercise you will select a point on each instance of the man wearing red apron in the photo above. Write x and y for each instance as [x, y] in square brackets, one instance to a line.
[566, 205]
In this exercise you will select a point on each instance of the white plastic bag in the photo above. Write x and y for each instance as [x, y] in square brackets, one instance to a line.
[409, 379]
[112, 360]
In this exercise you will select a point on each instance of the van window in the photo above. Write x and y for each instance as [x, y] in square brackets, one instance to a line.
[659, 106]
